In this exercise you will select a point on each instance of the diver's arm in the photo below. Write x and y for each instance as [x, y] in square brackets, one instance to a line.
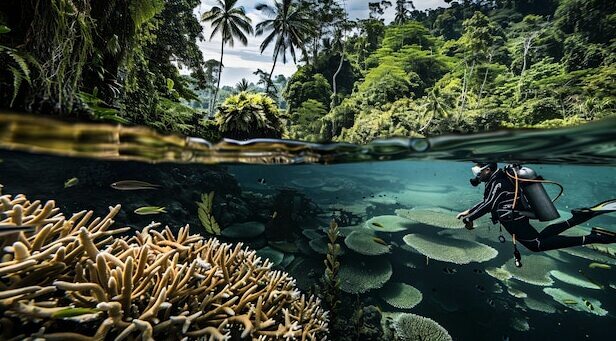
[485, 206]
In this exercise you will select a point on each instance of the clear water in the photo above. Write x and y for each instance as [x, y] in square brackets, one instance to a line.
[462, 298]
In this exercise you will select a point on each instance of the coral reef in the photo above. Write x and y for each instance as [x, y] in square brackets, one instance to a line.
[434, 216]
[366, 244]
[75, 278]
[457, 251]
[411, 327]
[401, 295]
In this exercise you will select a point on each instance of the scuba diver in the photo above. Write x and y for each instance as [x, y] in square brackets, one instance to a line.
[515, 194]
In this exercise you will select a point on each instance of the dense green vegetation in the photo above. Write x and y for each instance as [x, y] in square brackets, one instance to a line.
[473, 66]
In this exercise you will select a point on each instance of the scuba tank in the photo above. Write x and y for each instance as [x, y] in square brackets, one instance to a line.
[531, 186]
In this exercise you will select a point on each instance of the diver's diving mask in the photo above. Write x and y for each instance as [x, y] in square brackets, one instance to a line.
[476, 172]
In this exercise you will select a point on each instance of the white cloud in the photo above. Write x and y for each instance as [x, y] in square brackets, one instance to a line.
[241, 61]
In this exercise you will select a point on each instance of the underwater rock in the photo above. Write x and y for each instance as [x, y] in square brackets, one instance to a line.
[366, 244]
[400, 295]
[434, 216]
[370, 324]
[245, 230]
[312, 234]
[576, 280]
[271, 254]
[571, 301]
[450, 250]
[153, 284]
[361, 274]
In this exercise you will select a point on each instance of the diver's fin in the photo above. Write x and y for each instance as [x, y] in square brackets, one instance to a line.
[600, 208]
[603, 232]
[606, 206]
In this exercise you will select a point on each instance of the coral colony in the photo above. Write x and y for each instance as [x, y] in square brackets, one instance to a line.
[78, 278]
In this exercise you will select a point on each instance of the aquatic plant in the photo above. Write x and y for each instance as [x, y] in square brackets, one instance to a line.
[332, 266]
[76, 279]
[206, 217]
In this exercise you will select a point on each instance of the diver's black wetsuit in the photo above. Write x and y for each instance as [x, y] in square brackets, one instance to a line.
[498, 199]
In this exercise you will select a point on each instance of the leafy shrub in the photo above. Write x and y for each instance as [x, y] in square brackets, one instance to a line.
[247, 115]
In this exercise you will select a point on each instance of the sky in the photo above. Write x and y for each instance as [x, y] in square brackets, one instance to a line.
[241, 61]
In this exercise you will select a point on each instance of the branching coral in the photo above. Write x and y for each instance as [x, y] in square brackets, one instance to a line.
[153, 284]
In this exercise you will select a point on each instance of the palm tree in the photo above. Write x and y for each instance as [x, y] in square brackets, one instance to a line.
[242, 85]
[289, 24]
[232, 23]
[402, 12]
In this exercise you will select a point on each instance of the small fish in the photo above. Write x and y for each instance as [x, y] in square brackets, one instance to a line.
[274, 215]
[377, 224]
[599, 266]
[589, 305]
[569, 301]
[261, 181]
[7, 230]
[478, 271]
[71, 182]
[480, 288]
[133, 185]
[379, 240]
[449, 271]
[147, 210]
[72, 312]
[491, 302]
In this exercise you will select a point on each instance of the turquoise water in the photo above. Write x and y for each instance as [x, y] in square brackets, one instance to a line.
[295, 203]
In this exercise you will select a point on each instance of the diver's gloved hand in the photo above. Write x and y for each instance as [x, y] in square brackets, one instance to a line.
[468, 224]
[462, 214]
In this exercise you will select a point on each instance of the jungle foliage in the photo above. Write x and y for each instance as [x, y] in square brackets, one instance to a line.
[475, 65]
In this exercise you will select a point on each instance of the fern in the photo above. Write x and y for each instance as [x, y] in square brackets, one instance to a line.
[142, 11]
[19, 70]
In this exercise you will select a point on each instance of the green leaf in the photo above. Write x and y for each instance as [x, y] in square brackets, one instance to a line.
[170, 84]
[4, 29]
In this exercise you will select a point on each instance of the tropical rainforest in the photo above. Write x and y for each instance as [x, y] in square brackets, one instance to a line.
[471, 66]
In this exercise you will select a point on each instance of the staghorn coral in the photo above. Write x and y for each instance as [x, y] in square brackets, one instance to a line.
[75, 278]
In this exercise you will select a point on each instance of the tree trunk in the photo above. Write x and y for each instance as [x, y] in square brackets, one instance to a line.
[222, 53]
[272, 72]
[485, 78]
[335, 98]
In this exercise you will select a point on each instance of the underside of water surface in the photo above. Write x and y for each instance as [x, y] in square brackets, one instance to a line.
[405, 267]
